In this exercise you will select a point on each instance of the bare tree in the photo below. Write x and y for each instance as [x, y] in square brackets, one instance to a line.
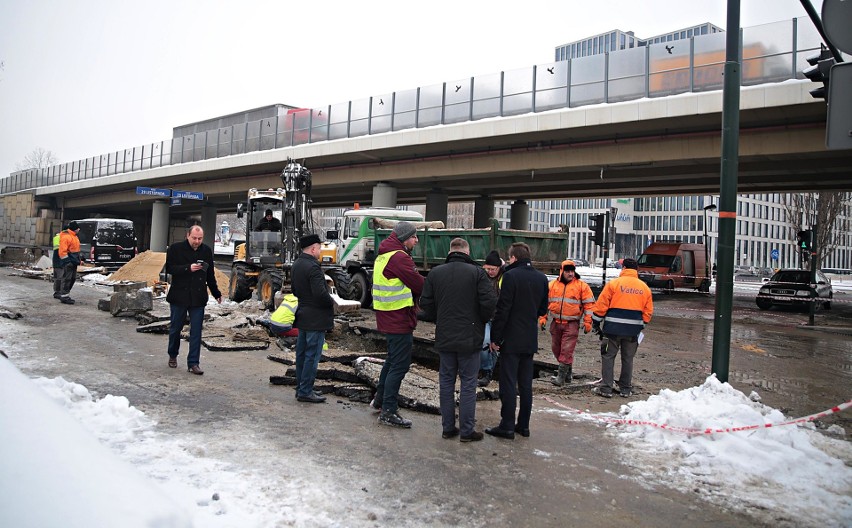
[39, 158]
[824, 209]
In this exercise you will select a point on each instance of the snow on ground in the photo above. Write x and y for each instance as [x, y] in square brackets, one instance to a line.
[71, 460]
[784, 476]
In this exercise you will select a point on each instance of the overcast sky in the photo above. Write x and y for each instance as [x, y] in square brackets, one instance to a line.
[86, 77]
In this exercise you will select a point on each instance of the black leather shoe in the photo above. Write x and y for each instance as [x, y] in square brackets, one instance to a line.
[450, 434]
[195, 369]
[475, 436]
[500, 433]
[311, 398]
[66, 300]
[523, 432]
[172, 362]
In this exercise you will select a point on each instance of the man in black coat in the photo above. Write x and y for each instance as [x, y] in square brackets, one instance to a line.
[268, 222]
[314, 316]
[459, 297]
[190, 263]
[514, 332]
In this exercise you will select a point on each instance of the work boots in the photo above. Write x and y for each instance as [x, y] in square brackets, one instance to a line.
[484, 379]
[563, 375]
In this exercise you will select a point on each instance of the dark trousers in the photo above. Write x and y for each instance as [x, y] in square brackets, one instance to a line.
[58, 272]
[176, 323]
[628, 346]
[395, 368]
[69, 277]
[308, 353]
[465, 366]
[516, 370]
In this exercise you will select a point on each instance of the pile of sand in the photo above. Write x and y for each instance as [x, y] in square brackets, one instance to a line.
[146, 266]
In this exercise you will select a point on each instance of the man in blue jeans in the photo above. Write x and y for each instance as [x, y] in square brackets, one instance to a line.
[314, 316]
[190, 263]
[396, 287]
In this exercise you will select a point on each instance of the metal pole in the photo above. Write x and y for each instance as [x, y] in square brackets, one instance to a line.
[727, 196]
[814, 265]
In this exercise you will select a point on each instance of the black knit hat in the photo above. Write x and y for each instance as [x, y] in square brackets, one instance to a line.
[493, 259]
[630, 263]
[73, 225]
[309, 240]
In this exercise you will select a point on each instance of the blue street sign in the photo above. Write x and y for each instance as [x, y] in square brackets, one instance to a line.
[774, 254]
[189, 195]
[150, 191]
[175, 201]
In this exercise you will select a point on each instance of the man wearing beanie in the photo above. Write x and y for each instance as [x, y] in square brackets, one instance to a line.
[623, 309]
[487, 358]
[268, 222]
[69, 258]
[314, 316]
[570, 302]
[397, 285]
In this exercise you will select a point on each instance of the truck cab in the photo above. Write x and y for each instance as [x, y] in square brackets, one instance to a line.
[671, 265]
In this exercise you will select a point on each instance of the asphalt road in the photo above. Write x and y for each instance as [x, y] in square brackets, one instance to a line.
[567, 473]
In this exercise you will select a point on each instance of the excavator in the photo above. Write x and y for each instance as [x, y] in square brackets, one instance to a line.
[264, 262]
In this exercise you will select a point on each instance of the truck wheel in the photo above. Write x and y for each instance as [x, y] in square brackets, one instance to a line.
[763, 304]
[361, 289]
[705, 286]
[239, 287]
[268, 282]
[341, 283]
[670, 286]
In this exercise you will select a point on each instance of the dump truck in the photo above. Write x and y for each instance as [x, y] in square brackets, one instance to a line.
[263, 263]
[362, 230]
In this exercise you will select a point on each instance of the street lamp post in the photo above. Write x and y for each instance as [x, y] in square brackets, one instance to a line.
[707, 250]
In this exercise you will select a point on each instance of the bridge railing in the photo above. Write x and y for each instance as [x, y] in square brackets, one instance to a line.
[770, 53]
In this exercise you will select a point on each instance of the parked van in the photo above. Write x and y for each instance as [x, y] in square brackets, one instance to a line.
[108, 242]
[673, 265]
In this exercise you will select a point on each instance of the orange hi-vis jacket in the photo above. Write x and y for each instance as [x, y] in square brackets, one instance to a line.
[572, 301]
[625, 305]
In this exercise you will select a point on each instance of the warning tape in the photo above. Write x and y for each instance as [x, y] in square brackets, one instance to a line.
[708, 430]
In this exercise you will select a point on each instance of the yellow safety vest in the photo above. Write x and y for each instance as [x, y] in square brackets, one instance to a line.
[286, 312]
[389, 294]
[56, 241]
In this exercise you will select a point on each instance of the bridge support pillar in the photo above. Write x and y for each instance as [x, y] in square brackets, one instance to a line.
[208, 223]
[520, 216]
[483, 211]
[436, 205]
[160, 226]
[384, 195]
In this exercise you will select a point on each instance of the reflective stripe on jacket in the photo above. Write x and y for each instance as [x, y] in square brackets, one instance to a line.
[625, 305]
[389, 294]
[573, 301]
[286, 312]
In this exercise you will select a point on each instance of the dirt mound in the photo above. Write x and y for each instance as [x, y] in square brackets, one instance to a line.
[146, 266]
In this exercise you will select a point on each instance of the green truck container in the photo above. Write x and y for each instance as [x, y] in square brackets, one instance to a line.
[548, 250]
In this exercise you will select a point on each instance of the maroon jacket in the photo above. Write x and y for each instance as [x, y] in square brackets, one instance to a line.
[400, 266]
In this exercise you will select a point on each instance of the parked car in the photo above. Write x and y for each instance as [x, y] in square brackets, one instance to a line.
[793, 287]
[580, 263]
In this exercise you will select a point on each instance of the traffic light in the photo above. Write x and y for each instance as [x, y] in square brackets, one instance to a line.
[597, 224]
[820, 71]
[804, 240]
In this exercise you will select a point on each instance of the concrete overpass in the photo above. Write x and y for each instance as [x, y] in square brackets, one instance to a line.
[659, 146]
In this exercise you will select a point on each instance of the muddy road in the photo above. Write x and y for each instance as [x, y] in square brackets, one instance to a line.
[566, 473]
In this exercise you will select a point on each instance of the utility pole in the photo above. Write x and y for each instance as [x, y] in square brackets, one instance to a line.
[727, 195]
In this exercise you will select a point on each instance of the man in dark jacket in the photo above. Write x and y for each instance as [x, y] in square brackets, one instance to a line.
[314, 316]
[514, 332]
[268, 222]
[397, 285]
[459, 297]
[190, 263]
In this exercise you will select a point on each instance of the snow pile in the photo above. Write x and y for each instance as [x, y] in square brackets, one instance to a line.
[785, 476]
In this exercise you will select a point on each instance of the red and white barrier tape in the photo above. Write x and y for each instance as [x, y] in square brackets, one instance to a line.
[709, 430]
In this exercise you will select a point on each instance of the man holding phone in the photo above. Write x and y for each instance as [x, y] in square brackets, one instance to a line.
[190, 263]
